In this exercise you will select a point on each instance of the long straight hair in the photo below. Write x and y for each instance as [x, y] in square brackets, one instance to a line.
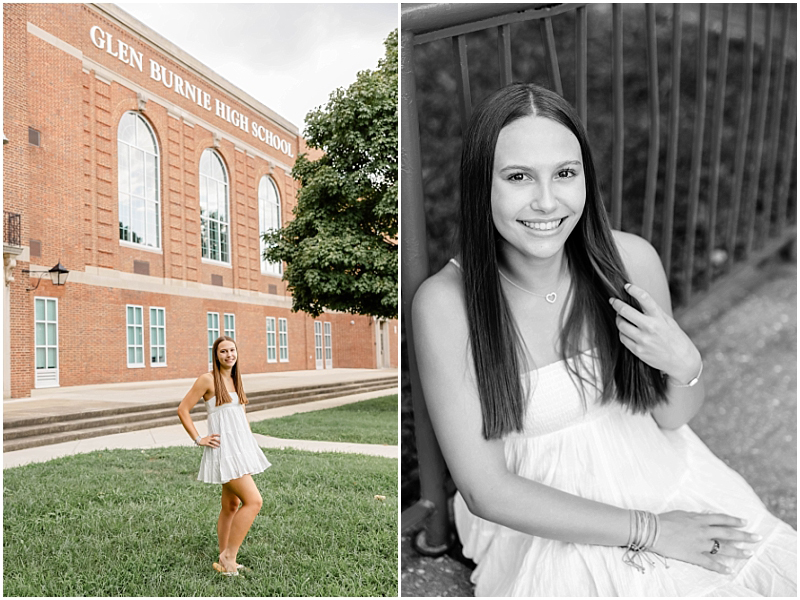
[220, 391]
[593, 260]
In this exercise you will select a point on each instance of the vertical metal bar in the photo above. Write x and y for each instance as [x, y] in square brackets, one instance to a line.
[774, 132]
[788, 153]
[504, 53]
[413, 242]
[741, 140]
[653, 105]
[716, 141]
[618, 148]
[672, 150]
[462, 80]
[553, 72]
[581, 43]
[751, 200]
[697, 153]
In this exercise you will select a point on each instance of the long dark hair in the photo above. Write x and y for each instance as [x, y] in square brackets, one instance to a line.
[220, 391]
[595, 266]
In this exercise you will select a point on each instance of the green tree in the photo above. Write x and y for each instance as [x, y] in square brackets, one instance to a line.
[340, 249]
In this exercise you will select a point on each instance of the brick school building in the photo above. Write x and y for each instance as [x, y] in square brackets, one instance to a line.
[150, 179]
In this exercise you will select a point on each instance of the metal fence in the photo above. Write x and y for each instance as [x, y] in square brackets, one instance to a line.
[759, 217]
[12, 228]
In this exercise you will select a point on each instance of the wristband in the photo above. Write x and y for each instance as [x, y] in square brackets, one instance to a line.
[694, 381]
[197, 441]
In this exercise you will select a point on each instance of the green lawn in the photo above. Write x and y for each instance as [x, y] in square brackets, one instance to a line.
[136, 523]
[366, 422]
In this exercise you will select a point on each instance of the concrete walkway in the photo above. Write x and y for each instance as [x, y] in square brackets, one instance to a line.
[81, 398]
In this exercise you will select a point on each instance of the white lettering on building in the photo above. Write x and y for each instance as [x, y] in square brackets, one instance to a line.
[128, 55]
[105, 41]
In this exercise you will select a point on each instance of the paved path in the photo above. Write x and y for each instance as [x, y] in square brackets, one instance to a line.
[79, 398]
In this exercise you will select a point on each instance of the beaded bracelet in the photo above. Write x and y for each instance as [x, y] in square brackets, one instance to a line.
[644, 533]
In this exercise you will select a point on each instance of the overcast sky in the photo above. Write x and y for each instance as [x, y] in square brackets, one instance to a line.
[290, 57]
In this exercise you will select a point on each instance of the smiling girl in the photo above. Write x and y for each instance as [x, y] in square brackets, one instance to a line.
[231, 454]
[559, 387]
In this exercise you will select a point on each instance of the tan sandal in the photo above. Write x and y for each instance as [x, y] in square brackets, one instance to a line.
[220, 569]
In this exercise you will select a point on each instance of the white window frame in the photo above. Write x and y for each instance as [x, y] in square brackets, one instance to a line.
[134, 326]
[283, 340]
[157, 327]
[210, 318]
[319, 355]
[272, 341]
[45, 377]
[266, 208]
[328, 346]
[229, 331]
[151, 185]
[205, 179]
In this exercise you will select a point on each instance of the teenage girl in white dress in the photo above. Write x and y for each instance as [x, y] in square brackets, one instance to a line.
[231, 454]
[559, 387]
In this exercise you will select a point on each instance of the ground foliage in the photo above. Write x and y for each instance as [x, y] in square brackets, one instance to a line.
[371, 421]
[440, 132]
[137, 523]
[340, 248]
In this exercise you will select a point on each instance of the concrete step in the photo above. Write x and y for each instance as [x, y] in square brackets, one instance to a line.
[40, 431]
[253, 397]
[92, 419]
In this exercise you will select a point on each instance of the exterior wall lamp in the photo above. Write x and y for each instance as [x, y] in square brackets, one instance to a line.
[58, 275]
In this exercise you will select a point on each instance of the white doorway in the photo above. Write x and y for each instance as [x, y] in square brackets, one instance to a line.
[328, 347]
[45, 312]
[318, 344]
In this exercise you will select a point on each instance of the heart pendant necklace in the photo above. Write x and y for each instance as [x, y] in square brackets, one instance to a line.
[550, 298]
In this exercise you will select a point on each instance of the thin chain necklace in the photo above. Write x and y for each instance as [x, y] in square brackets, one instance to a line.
[550, 298]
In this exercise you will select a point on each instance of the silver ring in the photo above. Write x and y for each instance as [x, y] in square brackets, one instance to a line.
[715, 548]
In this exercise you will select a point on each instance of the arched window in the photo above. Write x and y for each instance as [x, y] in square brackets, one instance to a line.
[138, 182]
[269, 217]
[214, 219]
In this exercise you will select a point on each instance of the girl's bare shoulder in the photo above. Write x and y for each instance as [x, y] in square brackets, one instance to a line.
[206, 381]
[638, 255]
[441, 295]
[644, 267]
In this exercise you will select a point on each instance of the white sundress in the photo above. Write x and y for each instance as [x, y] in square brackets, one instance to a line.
[238, 453]
[607, 454]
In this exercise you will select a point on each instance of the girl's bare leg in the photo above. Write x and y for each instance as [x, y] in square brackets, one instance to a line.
[245, 489]
[230, 504]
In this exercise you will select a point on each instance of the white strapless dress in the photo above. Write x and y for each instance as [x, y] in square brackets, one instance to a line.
[238, 454]
[607, 454]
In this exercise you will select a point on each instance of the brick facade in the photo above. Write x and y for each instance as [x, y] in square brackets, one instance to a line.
[58, 82]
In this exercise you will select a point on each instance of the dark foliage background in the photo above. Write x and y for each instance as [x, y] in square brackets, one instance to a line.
[440, 132]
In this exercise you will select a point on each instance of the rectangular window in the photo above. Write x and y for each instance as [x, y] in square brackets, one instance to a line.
[158, 338]
[212, 319]
[230, 325]
[34, 137]
[272, 349]
[135, 329]
[283, 339]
